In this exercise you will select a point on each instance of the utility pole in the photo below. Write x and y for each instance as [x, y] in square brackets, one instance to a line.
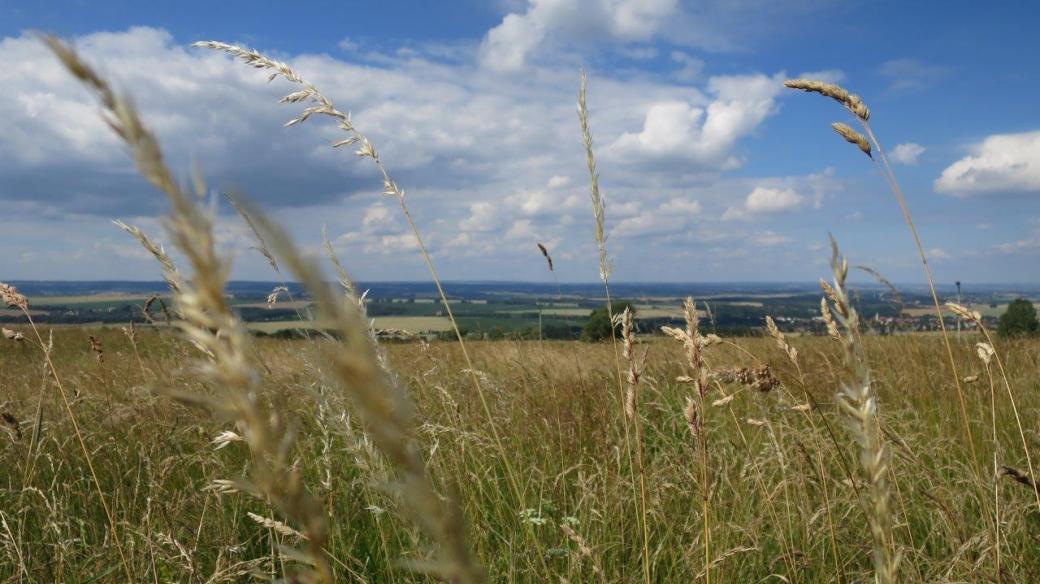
[958, 302]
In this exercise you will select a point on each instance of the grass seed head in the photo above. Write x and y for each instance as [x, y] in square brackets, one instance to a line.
[835, 92]
[852, 137]
[12, 297]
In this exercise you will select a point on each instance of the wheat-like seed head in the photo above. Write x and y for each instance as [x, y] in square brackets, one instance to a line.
[964, 313]
[692, 418]
[170, 274]
[828, 319]
[859, 404]
[634, 364]
[761, 379]
[852, 137]
[598, 208]
[275, 525]
[12, 297]
[545, 252]
[835, 92]
[781, 340]
[985, 352]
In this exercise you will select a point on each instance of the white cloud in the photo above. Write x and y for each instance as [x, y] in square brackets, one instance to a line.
[672, 216]
[765, 200]
[770, 239]
[558, 181]
[827, 75]
[681, 206]
[487, 163]
[907, 153]
[482, 217]
[938, 254]
[690, 67]
[507, 46]
[522, 229]
[1002, 163]
[704, 135]
[378, 218]
[1029, 245]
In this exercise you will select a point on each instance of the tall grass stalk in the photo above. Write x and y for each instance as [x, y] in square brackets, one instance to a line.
[695, 412]
[606, 267]
[859, 403]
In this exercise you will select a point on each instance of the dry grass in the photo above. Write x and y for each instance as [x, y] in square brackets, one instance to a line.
[557, 414]
[337, 458]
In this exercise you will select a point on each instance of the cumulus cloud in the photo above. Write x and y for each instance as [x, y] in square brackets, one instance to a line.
[488, 164]
[507, 46]
[1002, 163]
[672, 216]
[701, 134]
[907, 153]
[765, 200]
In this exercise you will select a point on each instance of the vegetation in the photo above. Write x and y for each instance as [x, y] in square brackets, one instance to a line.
[599, 326]
[200, 452]
[780, 496]
[1019, 319]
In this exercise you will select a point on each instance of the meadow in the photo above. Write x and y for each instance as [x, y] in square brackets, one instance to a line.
[201, 452]
[781, 489]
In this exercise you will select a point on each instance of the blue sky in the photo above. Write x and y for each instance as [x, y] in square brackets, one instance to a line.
[712, 171]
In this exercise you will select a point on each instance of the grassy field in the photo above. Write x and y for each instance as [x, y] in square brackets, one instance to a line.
[782, 502]
[205, 453]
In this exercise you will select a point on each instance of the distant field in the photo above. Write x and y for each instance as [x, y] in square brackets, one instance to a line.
[549, 312]
[89, 299]
[415, 324]
[17, 312]
[984, 309]
[281, 325]
[284, 305]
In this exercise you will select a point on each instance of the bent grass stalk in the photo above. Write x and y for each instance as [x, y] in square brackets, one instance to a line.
[209, 323]
[855, 105]
[322, 105]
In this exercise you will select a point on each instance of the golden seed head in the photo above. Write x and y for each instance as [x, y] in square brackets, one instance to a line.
[12, 297]
[835, 92]
[852, 137]
[963, 312]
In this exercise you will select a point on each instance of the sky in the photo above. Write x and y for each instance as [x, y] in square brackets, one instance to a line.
[712, 171]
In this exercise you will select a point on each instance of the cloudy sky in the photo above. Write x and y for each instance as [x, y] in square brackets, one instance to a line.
[711, 169]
